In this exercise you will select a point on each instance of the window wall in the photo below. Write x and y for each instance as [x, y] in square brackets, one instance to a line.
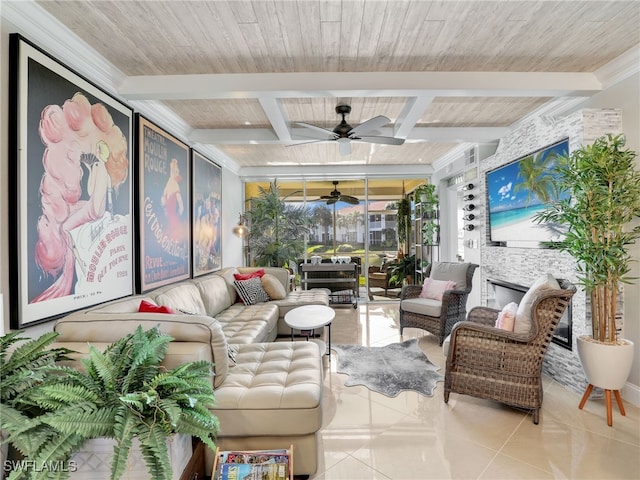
[355, 218]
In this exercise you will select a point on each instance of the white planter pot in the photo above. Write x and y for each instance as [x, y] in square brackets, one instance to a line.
[606, 366]
[93, 462]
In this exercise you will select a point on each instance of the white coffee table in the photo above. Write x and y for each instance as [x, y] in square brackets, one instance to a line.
[309, 317]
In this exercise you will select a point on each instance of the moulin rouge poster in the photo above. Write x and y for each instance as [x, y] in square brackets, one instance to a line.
[74, 238]
[164, 207]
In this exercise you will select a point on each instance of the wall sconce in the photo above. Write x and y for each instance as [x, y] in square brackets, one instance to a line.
[241, 230]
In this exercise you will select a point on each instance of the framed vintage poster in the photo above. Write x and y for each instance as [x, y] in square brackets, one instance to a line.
[71, 202]
[206, 206]
[164, 168]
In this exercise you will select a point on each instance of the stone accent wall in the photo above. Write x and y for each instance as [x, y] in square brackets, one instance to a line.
[523, 265]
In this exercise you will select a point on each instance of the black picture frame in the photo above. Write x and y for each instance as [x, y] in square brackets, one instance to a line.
[70, 145]
[206, 212]
[164, 216]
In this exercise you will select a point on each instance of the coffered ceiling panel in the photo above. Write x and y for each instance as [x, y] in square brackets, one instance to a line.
[241, 74]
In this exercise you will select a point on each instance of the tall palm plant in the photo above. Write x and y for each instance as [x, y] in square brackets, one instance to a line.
[278, 228]
[604, 189]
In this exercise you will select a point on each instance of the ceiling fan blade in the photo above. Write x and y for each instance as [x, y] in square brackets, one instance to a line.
[371, 124]
[305, 143]
[345, 146]
[349, 199]
[332, 200]
[382, 140]
[318, 132]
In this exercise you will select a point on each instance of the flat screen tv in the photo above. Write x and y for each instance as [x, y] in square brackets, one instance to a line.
[517, 191]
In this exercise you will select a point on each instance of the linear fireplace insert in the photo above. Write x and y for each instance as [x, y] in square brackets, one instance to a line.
[506, 292]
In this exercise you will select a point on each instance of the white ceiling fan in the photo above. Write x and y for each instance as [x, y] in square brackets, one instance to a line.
[344, 133]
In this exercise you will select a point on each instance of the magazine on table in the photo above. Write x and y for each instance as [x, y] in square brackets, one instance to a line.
[251, 471]
[254, 464]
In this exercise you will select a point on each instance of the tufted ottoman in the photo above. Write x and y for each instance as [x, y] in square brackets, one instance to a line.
[272, 398]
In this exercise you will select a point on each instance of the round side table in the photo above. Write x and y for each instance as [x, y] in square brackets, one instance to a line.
[309, 317]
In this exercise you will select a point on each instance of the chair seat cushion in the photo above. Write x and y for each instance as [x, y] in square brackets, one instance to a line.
[422, 306]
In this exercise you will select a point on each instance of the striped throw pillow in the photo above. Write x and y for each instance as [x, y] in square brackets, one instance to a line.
[251, 291]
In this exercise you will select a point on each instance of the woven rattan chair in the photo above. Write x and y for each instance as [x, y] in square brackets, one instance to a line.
[380, 277]
[433, 316]
[487, 362]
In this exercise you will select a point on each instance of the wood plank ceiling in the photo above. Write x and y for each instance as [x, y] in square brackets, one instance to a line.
[241, 74]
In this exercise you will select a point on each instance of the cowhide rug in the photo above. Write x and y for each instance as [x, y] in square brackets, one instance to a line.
[389, 369]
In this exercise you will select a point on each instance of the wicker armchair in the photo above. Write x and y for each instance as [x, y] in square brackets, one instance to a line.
[434, 316]
[487, 362]
[380, 277]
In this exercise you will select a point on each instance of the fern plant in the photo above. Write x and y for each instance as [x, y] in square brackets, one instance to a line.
[24, 364]
[122, 393]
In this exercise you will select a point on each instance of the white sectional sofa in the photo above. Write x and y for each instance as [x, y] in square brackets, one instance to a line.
[268, 394]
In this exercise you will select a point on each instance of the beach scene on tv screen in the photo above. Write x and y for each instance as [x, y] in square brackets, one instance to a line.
[519, 190]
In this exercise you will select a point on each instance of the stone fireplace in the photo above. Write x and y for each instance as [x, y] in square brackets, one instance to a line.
[507, 292]
[521, 264]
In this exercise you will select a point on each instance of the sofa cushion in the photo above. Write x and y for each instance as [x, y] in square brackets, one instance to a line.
[180, 296]
[248, 323]
[523, 315]
[275, 389]
[251, 291]
[273, 287]
[214, 293]
[97, 325]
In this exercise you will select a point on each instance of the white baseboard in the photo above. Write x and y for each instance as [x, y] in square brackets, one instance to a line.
[631, 394]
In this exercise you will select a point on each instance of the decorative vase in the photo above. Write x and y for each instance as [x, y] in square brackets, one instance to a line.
[606, 365]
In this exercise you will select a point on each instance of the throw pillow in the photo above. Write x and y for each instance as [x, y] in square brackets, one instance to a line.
[149, 307]
[232, 351]
[435, 289]
[523, 315]
[507, 317]
[246, 276]
[251, 291]
[273, 287]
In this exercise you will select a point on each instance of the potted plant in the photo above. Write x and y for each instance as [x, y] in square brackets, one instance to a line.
[426, 194]
[403, 270]
[123, 393]
[604, 198]
[278, 228]
[24, 363]
[404, 221]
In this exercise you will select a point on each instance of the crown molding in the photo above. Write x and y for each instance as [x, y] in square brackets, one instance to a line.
[619, 68]
[46, 32]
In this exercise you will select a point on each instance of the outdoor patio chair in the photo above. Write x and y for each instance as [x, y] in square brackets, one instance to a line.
[488, 362]
[380, 277]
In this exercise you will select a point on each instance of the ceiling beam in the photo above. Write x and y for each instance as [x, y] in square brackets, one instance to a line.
[359, 84]
[412, 112]
[225, 136]
[277, 116]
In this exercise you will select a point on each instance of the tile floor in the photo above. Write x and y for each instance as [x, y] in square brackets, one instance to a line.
[367, 435]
